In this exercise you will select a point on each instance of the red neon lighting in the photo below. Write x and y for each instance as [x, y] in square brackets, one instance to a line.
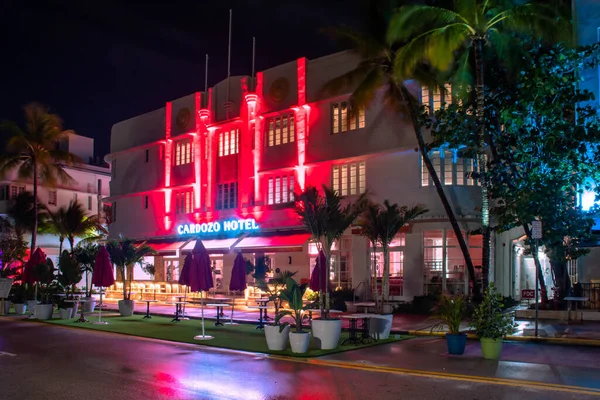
[258, 138]
[301, 114]
[168, 162]
[197, 155]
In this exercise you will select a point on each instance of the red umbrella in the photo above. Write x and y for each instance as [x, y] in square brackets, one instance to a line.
[103, 275]
[238, 278]
[29, 275]
[318, 283]
[200, 278]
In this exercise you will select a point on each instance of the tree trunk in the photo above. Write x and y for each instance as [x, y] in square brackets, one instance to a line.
[440, 191]
[385, 285]
[374, 271]
[124, 273]
[71, 243]
[482, 161]
[538, 265]
[327, 280]
[561, 277]
[35, 208]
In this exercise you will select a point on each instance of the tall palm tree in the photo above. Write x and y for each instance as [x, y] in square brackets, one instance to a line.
[33, 151]
[22, 213]
[376, 71]
[78, 224]
[454, 35]
[56, 226]
[124, 254]
[326, 217]
[380, 224]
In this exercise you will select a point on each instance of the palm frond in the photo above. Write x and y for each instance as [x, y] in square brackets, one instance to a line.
[409, 20]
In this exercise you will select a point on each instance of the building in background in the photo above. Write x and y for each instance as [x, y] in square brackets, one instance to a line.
[224, 165]
[91, 184]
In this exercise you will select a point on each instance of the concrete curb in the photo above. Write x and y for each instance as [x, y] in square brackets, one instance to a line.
[546, 340]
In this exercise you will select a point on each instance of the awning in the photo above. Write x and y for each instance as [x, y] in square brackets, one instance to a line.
[215, 244]
[169, 248]
[296, 240]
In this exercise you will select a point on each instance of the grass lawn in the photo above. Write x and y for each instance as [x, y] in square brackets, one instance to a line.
[239, 337]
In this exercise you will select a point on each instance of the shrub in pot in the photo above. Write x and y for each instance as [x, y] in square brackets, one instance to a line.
[491, 323]
[48, 288]
[277, 337]
[451, 311]
[292, 294]
[19, 298]
[65, 309]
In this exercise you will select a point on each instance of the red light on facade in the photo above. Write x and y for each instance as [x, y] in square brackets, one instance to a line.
[258, 137]
[301, 114]
[168, 163]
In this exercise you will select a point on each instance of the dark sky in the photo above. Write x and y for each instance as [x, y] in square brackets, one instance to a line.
[99, 62]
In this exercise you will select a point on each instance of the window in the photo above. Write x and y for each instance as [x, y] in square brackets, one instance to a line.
[434, 98]
[4, 189]
[281, 190]
[114, 212]
[228, 142]
[280, 130]
[183, 152]
[183, 202]
[52, 197]
[227, 196]
[451, 170]
[172, 271]
[16, 190]
[89, 203]
[145, 202]
[343, 120]
[349, 179]
[147, 153]
[396, 248]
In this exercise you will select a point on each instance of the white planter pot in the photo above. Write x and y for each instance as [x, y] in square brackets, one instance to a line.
[277, 340]
[327, 332]
[31, 306]
[299, 342]
[44, 311]
[7, 305]
[380, 326]
[90, 305]
[20, 309]
[126, 307]
[66, 313]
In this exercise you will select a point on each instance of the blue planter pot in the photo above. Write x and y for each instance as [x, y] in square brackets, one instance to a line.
[456, 343]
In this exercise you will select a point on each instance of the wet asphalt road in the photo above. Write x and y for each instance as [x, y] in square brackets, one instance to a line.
[39, 361]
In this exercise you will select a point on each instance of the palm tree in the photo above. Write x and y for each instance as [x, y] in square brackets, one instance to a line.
[125, 253]
[377, 70]
[85, 254]
[455, 37]
[22, 213]
[326, 218]
[56, 226]
[380, 224]
[78, 224]
[33, 151]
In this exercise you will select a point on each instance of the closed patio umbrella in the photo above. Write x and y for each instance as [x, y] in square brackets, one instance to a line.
[238, 279]
[102, 276]
[184, 277]
[200, 279]
[318, 278]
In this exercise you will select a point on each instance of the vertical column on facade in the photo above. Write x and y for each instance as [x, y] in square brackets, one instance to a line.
[198, 134]
[168, 165]
[258, 140]
[207, 159]
[302, 112]
[247, 133]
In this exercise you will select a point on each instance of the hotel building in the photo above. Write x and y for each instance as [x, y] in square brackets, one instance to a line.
[223, 166]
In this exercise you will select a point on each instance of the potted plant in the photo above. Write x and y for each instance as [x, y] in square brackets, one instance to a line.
[326, 216]
[65, 309]
[451, 311]
[19, 298]
[491, 323]
[277, 339]
[85, 255]
[124, 253]
[292, 294]
[48, 287]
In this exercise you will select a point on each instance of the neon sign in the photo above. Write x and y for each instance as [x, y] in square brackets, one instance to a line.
[231, 226]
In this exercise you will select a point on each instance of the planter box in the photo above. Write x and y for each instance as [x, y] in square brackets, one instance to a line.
[327, 332]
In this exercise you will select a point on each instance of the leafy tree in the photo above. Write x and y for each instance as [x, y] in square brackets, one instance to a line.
[452, 37]
[78, 224]
[125, 253]
[85, 254]
[70, 272]
[378, 70]
[326, 217]
[33, 151]
[380, 224]
[12, 248]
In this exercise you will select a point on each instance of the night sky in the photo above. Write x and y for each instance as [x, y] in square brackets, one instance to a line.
[98, 62]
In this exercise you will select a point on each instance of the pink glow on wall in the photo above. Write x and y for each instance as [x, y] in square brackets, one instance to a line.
[168, 163]
[197, 155]
[210, 166]
[258, 137]
[301, 114]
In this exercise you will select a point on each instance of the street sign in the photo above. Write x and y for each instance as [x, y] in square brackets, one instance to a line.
[536, 229]
[527, 294]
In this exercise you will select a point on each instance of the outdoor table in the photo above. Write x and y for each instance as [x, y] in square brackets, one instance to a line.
[147, 316]
[220, 307]
[353, 337]
[366, 336]
[182, 309]
[82, 309]
[570, 305]
[178, 310]
[263, 302]
[260, 325]
[219, 300]
[366, 305]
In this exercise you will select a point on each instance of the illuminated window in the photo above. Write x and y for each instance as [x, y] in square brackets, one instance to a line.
[434, 98]
[228, 143]
[280, 130]
[437, 99]
[52, 197]
[451, 171]
[425, 96]
[147, 154]
[343, 120]
[183, 202]
[183, 152]
[281, 190]
[349, 179]
[227, 196]
[145, 202]
[89, 203]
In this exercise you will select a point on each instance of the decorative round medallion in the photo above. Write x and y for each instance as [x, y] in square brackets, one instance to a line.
[183, 118]
[279, 90]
